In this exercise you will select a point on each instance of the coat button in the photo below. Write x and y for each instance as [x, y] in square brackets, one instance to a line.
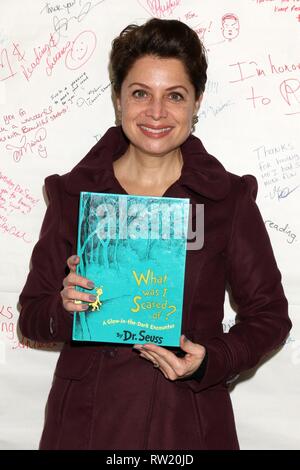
[113, 352]
[110, 352]
[51, 325]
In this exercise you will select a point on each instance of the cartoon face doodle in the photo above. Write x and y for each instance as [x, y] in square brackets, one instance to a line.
[230, 26]
[81, 50]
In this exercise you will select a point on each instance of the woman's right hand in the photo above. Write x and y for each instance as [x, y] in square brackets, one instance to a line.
[69, 294]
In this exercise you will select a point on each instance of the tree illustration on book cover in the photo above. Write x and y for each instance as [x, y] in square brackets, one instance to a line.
[134, 250]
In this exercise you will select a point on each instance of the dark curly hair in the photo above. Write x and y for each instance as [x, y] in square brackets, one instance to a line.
[160, 38]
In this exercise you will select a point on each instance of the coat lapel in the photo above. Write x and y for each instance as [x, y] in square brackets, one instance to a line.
[202, 174]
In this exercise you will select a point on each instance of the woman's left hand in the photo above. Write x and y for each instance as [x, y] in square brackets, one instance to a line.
[172, 366]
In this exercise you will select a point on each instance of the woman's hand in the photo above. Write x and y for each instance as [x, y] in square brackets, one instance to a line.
[172, 366]
[71, 298]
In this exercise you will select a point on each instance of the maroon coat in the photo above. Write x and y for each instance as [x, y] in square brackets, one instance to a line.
[103, 395]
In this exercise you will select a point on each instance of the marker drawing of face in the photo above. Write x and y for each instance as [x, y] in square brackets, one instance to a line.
[230, 26]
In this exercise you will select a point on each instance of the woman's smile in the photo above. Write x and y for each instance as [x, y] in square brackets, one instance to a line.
[157, 102]
[155, 132]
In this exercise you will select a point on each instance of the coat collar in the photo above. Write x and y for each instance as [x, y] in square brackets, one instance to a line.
[201, 173]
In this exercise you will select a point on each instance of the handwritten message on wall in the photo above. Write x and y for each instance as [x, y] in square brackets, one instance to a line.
[283, 8]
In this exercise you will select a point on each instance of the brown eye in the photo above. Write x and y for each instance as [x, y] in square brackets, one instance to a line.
[139, 94]
[176, 96]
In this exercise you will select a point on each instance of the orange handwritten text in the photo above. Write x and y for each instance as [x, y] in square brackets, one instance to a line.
[26, 343]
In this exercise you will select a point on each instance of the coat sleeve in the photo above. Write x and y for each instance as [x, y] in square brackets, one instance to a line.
[42, 316]
[255, 282]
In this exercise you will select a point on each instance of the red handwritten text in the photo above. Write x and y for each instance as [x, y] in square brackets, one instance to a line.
[289, 88]
[15, 197]
[160, 8]
[53, 61]
[6, 312]
[39, 53]
[30, 145]
[281, 6]
[6, 70]
[13, 230]
[28, 131]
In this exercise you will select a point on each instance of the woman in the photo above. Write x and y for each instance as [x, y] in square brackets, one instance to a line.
[104, 396]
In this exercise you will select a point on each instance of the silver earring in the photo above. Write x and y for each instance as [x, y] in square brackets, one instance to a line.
[119, 116]
[195, 119]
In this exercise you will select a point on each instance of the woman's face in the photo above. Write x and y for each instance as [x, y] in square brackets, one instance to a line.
[157, 102]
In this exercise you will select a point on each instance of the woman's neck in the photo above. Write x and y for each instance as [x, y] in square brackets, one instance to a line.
[148, 171]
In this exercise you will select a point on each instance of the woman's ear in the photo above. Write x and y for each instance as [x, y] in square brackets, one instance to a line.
[118, 111]
[118, 103]
[198, 104]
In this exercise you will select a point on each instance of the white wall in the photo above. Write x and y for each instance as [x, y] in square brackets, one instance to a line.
[249, 120]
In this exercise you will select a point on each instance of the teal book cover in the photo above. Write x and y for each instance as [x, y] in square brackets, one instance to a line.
[134, 250]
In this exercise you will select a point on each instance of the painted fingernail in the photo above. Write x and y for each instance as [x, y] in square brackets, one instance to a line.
[92, 298]
[84, 306]
[90, 285]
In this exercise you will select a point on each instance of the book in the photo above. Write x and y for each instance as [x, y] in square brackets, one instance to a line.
[133, 248]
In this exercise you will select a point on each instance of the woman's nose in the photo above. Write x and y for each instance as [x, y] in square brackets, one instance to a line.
[157, 109]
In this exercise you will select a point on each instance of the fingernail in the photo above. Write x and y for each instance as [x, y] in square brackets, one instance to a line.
[138, 346]
[90, 285]
[84, 306]
[92, 298]
[75, 258]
